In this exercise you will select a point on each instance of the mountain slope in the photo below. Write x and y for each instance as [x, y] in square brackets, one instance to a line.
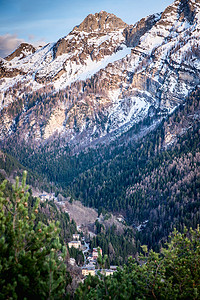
[155, 183]
[95, 39]
[152, 180]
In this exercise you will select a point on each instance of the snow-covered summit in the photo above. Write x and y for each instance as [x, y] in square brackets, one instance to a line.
[94, 42]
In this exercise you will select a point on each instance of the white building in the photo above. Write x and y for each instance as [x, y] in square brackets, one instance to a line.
[72, 261]
[87, 271]
[75, 244]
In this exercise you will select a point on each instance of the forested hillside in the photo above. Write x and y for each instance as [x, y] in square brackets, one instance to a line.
[153, 179]
[117, 246]
[10, 168]
[33, 261]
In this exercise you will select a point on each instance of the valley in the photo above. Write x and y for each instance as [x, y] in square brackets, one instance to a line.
[106, 121]
[112, 139]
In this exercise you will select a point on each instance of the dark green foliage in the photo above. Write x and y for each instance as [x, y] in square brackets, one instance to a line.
[13, 168]
[77, 255]
[31, 255]
[9, 164]
[49, 212]
[117, 246]
[172, 274]
[102, 261]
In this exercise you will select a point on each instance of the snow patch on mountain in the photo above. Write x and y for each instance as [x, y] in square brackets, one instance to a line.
[126, 110]
[75, 72]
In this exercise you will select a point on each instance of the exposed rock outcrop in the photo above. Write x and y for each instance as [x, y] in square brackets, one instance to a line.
[100, 22]
[133, 33]
[21, 52]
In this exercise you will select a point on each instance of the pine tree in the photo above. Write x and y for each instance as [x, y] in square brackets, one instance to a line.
[101, 260]
[31, 256]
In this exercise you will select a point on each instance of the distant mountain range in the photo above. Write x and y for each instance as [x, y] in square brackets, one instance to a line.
[102, 78]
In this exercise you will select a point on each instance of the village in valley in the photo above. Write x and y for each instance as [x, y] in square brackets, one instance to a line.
[82, 243]
[91, 265]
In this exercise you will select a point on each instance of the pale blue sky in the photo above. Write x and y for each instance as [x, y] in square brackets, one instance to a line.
[47, 20]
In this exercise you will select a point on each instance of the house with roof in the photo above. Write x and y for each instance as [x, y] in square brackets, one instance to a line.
[95, 253]
[75, 244]
[88, 270]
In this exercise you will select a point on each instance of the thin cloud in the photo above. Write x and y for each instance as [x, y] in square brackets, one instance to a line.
[8, 43]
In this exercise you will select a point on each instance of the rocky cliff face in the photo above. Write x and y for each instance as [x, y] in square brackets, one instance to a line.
[90, 45]
[21, 52]
[100, 22]
[6, 69]
[103, 77]
[133, 33]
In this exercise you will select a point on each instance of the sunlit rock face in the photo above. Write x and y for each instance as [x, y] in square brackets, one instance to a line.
[102, 77]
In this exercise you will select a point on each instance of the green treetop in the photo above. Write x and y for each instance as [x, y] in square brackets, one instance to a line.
[31, 256]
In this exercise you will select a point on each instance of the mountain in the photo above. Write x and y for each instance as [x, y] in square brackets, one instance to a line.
[73, 56]
[109, 115]
[103, 77]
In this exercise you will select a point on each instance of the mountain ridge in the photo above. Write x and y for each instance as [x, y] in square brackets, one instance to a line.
[105, 80]
[23, 50]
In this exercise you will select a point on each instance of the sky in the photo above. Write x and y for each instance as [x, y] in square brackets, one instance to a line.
[42, 21]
